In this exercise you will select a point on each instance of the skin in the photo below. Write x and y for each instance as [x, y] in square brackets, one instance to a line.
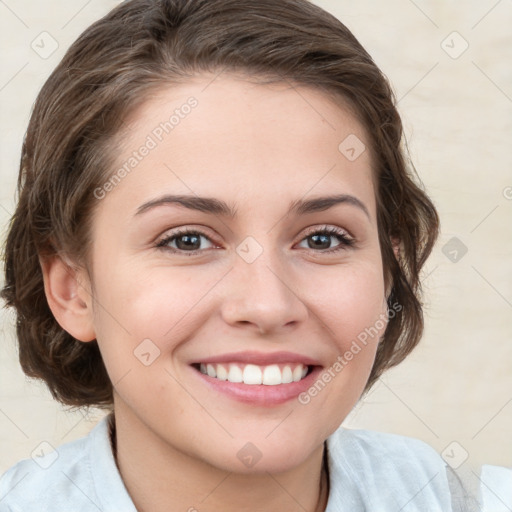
[258, 148]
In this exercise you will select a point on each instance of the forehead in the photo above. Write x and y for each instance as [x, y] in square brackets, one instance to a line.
[238, 140]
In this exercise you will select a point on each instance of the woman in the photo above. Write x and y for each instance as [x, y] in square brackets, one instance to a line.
[218, 241]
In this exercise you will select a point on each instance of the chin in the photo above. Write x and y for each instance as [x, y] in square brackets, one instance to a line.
[261, 455]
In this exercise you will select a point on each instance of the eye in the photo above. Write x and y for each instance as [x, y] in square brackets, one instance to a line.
[185, 241]
[321, 239]
[190, 242]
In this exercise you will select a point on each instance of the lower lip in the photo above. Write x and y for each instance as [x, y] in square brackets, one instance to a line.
[261, 394]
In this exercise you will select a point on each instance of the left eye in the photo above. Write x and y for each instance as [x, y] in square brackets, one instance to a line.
[321, 239]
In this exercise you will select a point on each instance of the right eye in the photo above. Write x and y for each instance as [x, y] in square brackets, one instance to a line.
[185, 242]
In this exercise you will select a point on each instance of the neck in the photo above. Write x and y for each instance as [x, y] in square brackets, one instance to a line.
[160, 478]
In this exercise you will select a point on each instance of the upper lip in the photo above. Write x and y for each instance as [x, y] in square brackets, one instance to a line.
[260, 358]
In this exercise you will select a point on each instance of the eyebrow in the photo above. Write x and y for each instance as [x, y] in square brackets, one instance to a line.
[219, 207]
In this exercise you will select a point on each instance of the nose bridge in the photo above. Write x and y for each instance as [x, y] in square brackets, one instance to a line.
[260, 291]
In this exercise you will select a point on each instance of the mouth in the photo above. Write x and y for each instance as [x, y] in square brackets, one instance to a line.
[257, 378]
[253, 375]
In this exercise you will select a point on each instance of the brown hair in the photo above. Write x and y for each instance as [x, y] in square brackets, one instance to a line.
[141, 46]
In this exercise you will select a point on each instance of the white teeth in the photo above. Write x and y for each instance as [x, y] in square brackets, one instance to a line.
[235, 374]
[211, 370]
[222, 373]
[287, 375]
[297, 373]
[272, 375]
[251, 374]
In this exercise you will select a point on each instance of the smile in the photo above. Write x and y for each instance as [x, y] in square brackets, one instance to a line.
[258, 378]
[251, 374]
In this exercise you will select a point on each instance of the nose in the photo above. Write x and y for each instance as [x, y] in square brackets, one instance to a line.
[260, 295]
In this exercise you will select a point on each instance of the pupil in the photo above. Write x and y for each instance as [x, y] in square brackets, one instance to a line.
[320, 241]
[189, 242]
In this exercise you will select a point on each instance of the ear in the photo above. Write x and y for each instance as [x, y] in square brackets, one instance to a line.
[68, 294]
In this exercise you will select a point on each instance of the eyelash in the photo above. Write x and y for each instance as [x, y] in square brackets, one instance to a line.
[345, 241]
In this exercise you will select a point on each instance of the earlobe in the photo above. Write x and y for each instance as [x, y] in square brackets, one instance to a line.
[68, 297]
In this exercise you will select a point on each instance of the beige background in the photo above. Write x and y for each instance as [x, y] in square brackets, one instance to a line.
[457, 385]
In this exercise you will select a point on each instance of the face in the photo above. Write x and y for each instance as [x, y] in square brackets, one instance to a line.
[221, 314]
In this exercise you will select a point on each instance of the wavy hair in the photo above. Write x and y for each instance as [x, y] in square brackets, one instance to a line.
[144, 45]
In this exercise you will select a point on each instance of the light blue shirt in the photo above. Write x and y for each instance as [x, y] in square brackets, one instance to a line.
[368, 471]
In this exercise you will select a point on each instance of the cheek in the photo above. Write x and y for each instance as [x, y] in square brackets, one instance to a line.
[352, 309]
[348, 300]
[352, 312]
[136, 309]
[159, 303]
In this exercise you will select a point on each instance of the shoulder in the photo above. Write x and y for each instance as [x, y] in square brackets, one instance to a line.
[383, 446]
[76, 476]
[496, 488]
[383, 471]
[378, 471]
[49, 475]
